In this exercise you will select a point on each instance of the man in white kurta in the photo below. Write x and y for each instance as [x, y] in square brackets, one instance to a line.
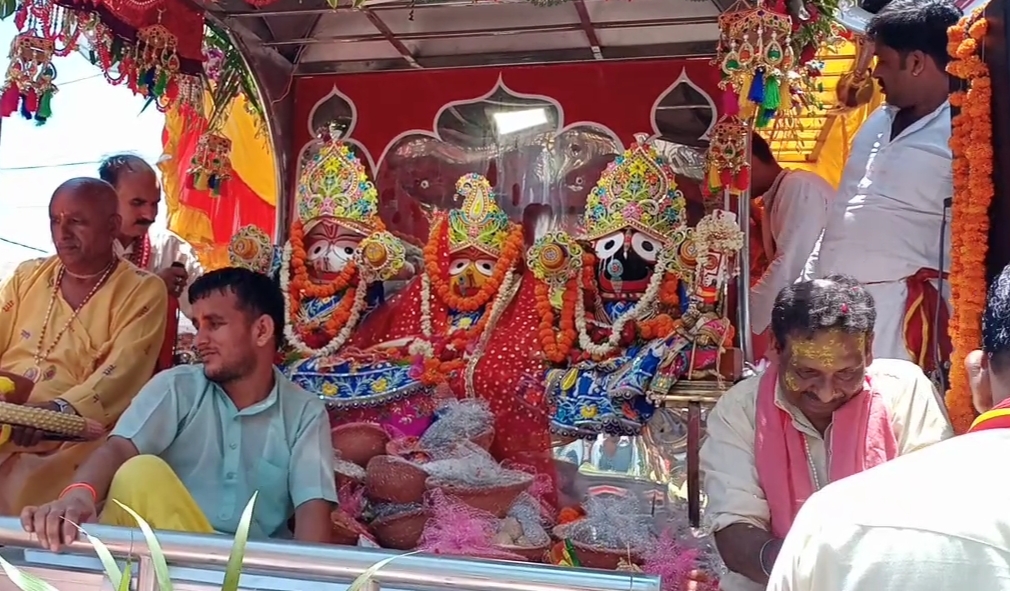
[887, 225]
[727, 456]
[796, 206]
[141, 242]
[932, 521]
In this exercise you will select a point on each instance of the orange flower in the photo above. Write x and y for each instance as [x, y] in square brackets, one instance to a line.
[971, 145]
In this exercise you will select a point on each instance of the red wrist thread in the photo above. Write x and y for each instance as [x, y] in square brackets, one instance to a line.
[85, 486]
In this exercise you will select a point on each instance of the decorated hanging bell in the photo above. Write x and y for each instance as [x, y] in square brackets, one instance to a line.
[211, 163]
[727, 163]
[29, 83]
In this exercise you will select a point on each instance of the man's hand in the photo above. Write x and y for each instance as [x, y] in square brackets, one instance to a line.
[175, 279]
[55, 524]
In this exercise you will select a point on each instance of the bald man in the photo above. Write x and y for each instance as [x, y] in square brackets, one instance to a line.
[84, 329]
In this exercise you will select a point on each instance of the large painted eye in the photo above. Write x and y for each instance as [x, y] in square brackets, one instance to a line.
[344, 248]
[485, 267]
[318, 250]
[457, 266]
[645, 247]
[608, 246]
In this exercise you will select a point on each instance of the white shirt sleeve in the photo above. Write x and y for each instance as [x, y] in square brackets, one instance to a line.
[797, 219]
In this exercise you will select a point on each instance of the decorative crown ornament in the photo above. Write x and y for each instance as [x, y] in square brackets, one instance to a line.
[335, 184]
[479, 223]
[251, 248]
[637, 190]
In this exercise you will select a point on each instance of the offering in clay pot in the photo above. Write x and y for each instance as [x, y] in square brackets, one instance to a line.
[392, 479]
[460, 421]
[399, 527]
[347, 473]
[359, 442]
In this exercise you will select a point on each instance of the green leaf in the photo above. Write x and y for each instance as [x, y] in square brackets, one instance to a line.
[361, 583]
[234, 570]
[108, 562]
[157, 556]
[124, 583]
[7, 8]
[24, 581]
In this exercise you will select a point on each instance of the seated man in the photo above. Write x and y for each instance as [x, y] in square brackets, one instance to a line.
[935, 520]
[770, 437]
[83, 328]
[199, 440]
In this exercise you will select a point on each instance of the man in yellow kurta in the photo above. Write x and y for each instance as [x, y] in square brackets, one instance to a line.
[85, 327]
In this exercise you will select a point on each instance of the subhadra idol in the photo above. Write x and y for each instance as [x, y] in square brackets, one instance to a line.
[626, 309]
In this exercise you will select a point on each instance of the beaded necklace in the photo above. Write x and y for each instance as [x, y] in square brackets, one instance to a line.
[35, 373]
[141, 254]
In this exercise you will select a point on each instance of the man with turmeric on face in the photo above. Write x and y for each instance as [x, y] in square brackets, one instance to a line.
[823, 410]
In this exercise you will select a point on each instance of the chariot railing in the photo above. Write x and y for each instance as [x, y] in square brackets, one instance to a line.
[198, 562]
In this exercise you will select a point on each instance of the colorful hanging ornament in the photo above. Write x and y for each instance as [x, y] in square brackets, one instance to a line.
[211, 163]
[29, 85]
[155, 63]
[727, 163]
[757, 62]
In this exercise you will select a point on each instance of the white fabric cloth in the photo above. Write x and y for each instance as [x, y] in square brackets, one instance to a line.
[797, 216]
[167, 247]
[935, 520]
[886, 220]
[727, 456]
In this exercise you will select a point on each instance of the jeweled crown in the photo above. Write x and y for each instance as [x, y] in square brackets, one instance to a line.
[637, 190]
[334, 183]
[479, 223]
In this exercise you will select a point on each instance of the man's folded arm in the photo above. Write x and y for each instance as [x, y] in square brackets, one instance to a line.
[138, 333]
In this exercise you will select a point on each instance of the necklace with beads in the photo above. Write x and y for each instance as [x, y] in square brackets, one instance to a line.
[35, 373]
[141, 254]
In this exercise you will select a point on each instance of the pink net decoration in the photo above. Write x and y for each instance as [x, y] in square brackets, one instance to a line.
[672, 562]
[352, 499]
[460, 530]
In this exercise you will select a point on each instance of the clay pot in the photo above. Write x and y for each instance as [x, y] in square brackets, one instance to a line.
[408, 448]
[359, 442]
[531, 553]
[345, 530]
[484, 440]
[495, 500]
[596, 557]
[401, 531]
[392, 479]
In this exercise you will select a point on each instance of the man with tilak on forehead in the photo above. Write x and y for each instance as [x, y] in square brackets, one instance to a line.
[823, 410]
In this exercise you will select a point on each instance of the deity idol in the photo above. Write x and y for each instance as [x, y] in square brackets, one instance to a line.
[622, 313]
[331, 271]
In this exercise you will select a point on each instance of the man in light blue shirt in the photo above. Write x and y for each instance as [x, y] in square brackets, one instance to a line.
[199, 440]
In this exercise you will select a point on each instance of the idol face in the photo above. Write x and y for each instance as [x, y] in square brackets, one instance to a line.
[625, 261]
[329, 246]
[469, 270]
[823, 371]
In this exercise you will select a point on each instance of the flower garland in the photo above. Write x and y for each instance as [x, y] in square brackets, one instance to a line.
[557, 345]
[436, 264]
[341, 321]
[971, 146]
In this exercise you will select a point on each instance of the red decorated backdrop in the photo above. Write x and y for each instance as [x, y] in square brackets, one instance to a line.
[382, 112]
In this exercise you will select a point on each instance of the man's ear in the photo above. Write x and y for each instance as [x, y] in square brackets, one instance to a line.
[976, 364]
[868, 353]
[917, 61]
[263, 330]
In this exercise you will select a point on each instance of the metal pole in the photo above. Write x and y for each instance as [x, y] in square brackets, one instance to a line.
[743, 277]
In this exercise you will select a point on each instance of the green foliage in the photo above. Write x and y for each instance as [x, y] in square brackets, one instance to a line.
[121, 579]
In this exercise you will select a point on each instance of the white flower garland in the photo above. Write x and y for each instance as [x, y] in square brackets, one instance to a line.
[643, 307]
[341, 337]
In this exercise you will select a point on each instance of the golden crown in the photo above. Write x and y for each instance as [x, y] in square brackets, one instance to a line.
[637, 190]
[334, 184]
[479, 223]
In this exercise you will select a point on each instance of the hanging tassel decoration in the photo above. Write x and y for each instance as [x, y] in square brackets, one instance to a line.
[9, 100]
[211, 164]
[45, 110]
[771, 102]
[28, 87]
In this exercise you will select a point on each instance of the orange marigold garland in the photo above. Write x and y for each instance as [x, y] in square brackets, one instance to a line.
[971, 146]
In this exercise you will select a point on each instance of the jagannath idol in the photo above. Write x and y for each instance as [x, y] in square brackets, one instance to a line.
[627, 308]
